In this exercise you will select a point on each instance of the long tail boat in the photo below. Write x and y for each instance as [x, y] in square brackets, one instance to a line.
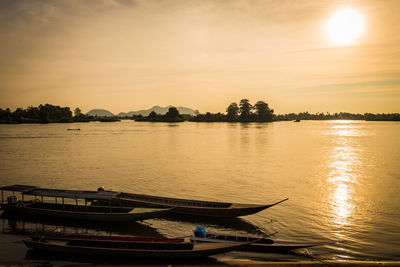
[130, 247]
[38, 207]
[191, 207]
[265, 245]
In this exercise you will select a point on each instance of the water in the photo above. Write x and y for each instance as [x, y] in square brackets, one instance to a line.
[342, 177]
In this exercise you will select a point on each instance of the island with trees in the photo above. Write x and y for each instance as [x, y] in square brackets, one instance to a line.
[244, 112]
[261, 112]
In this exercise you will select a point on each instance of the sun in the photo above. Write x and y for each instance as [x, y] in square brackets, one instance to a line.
[345, 26]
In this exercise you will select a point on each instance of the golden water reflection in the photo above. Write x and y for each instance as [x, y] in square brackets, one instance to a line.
[343, 163]
[342, 207]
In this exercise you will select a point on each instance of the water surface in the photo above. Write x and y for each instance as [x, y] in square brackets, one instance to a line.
[342, 177]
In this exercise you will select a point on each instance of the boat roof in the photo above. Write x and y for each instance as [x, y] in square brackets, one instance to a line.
[37, 191]
[18, 188]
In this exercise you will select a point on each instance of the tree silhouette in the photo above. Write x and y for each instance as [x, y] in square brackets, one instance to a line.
[77, 112]
[172, 113]
[152, 114]
[263, 112]
[232, 111]
[245, 110]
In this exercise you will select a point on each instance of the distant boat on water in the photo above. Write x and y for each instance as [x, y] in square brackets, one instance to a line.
[296, 120]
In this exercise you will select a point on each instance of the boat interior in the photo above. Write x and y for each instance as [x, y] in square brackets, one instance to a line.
[173, 201]
[239, 238]
[77, 208]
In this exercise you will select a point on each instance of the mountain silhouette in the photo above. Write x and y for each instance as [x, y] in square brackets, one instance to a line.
[100, 113]
[158, 110]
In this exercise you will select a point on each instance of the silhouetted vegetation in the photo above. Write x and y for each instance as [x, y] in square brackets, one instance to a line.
[338, 116]
[382, 117]
[41, 114]
[244, 112]
[232, 112]
[80, 117]
[172, 115]
[261, 112]
[48, 114]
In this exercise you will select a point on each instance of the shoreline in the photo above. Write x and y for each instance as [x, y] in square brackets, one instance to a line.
[44, 263]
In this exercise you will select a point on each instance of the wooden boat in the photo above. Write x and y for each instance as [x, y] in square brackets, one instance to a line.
[191, 207]
[103, 197]
[265, 245]
[70, 211]
[145, 248]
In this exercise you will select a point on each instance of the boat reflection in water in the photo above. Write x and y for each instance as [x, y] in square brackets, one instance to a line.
[27, 225]
[38, 255]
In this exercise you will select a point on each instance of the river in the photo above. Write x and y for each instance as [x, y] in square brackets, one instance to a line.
[342, 178]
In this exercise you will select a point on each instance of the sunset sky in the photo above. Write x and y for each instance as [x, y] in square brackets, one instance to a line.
[124, 55]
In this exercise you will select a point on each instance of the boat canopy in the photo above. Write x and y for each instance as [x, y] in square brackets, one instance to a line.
[18, 188]
[37, 191]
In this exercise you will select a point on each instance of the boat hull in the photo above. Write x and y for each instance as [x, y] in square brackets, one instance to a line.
[200, 250]
[91, 214]
[191, 207]
[264, 245]
[121, 199]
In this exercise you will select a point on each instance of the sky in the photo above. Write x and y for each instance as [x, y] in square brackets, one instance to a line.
[124, 55]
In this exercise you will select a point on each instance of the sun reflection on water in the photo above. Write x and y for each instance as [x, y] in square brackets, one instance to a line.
[342, 207]
[343, 161]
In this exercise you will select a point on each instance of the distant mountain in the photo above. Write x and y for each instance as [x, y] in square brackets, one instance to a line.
[100, 113]
[158, 110]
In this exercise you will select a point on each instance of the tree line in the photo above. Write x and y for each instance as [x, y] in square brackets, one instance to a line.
[338, 116]
[242, 112]
[47, 114]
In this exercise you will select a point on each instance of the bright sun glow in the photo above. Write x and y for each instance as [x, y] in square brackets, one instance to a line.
[345, 26]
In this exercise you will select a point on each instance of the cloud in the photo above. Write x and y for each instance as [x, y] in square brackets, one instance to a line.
[42, 12]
